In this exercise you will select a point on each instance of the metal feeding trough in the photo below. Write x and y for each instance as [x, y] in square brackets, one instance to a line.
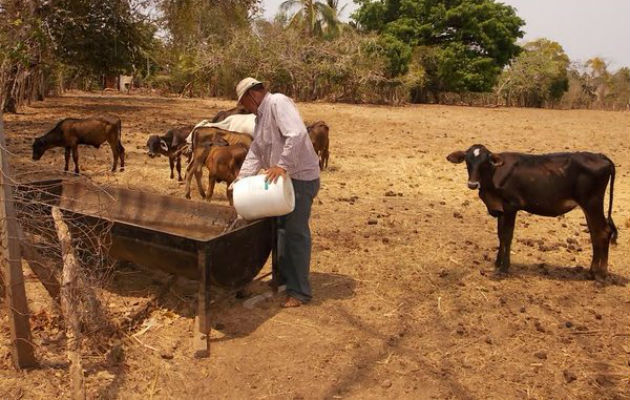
[179, 236]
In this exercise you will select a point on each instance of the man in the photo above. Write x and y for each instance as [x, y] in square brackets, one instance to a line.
[283, 148]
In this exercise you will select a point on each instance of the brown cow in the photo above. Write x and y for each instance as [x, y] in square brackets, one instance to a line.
[318, 132]
[170, 145]
[204, 137]
[71, 132]
[221, 115]
[549, 185]
[223, 164]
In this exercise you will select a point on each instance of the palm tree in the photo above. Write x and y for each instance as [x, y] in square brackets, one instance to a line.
[330, 13]
[316, 16]
[306, 14]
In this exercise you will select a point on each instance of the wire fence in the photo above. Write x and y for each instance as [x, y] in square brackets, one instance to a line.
[36, 192]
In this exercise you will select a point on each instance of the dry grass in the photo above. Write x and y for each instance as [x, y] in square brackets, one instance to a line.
[405, 308]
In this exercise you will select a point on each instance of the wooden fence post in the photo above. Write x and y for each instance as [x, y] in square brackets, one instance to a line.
[69, 307]
[15, 293]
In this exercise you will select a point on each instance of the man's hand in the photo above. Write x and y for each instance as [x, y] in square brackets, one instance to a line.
[231, 187]
[274, 172]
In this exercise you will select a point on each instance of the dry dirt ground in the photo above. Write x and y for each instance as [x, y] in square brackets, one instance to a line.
[406, 305]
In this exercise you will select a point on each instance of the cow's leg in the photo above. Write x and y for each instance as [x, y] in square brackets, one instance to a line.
[171, 164]
[121, 153]
[67, 158]
[600, 237]
[179, 168]
[497, 262]
[114, 147]
[75, 158]
[191, 170]
[229, 193]
[189, 173]
[211, 182]
[506, 232]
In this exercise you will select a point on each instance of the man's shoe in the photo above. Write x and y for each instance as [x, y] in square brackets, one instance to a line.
[291, 302]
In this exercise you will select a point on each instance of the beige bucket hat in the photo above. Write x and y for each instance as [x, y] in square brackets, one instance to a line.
[244, 85]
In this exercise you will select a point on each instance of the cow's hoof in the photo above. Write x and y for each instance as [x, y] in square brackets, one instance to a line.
[122, 169]
[599, 276]
[500, 273]
[187, 196]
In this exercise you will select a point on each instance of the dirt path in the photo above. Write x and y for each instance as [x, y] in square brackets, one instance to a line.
[405, 304]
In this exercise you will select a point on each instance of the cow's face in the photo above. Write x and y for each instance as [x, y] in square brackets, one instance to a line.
[156, 146]
[39, 147]
[478, 159]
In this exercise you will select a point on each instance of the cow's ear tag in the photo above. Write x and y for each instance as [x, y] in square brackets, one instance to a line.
[266, 184]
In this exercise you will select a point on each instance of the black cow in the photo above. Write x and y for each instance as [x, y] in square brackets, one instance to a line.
[170, 145]
[549, 185]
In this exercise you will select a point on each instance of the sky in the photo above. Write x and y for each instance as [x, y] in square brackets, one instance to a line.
[584, 28]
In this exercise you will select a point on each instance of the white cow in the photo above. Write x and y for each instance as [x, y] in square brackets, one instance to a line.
[243, 123]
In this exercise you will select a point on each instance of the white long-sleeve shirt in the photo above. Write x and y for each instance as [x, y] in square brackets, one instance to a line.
[280, 138]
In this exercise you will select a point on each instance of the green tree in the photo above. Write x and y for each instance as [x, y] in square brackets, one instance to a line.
[620, 90]
[23, 53]
[191, 22]
[468, 41]
[99, 37]
[598, 81]
[537, 76]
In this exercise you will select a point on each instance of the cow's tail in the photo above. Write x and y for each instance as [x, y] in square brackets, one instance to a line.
[611, 224]
[193, 134]
[188, 149]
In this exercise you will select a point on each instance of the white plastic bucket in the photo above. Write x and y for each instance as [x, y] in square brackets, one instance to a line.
[255, 198]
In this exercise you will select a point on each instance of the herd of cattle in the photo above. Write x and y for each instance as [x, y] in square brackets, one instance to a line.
[548, 185]
[220, 144]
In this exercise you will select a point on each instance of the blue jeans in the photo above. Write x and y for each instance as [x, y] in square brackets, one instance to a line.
[294, 242]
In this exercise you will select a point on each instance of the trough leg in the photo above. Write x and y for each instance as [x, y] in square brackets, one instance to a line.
[201, 334]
